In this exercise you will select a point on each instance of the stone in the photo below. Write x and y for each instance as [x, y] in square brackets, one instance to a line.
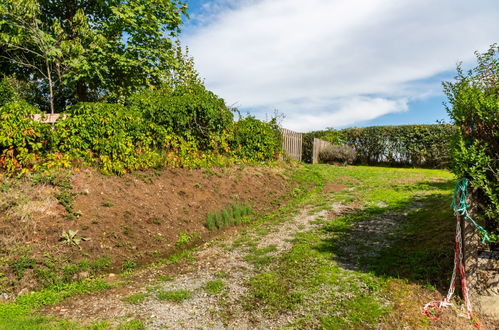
[23, 291]
[489, 305]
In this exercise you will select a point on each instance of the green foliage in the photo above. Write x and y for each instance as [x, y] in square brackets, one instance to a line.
[233, 215]
[136, 298]
[70, 238]
[21, 139]
[190, 112]
[20, 265]
[214, 287]
[174, 295]
[474, 107]
[92, 50]
[256, 140]
[7, 93]
[406, 145]
[340, 154]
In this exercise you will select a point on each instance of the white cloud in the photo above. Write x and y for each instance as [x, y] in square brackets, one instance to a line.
[335, 63]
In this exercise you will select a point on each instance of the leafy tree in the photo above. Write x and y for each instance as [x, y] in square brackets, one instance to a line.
[89, 50]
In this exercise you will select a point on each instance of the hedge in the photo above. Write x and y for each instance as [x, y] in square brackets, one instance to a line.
[406, 145]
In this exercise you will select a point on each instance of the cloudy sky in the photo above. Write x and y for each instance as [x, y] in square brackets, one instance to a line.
[337, 63]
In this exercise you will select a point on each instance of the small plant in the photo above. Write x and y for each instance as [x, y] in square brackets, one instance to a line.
[66, 199]
[174, 295]
[21, 264]
[165, 278]
[157, 221]
[127, 230]
[234, 215]
[128, 266]
[183, 239]
[136, 298]
[107, 204]
[197, 185]
[214, 287]
[70, 237]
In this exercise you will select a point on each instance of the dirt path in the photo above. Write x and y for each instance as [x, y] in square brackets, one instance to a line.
[223, 261]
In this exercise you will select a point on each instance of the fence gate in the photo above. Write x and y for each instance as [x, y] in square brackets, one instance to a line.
[318, 146]
[292, 143]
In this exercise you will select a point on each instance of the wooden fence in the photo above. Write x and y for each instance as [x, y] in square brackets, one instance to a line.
[292, 143]
[317, 147]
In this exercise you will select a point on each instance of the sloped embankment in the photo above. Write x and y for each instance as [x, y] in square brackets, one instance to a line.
[121, 221]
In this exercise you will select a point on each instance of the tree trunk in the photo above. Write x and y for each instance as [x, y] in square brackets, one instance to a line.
[81, 91]
[51, 89]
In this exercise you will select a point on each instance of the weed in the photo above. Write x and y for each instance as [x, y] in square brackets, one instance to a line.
[158, 238]
[128, 266]
[107, 204]
[100, 263]
[69, 237]
[164, 278]
[197, 185]
[132, 325]
[157, 221]
[183, 239]
[214, 287]
[174, 295]
[136, 298]
[233, 215]
[66, 199]
[127, 230]
[20, 265]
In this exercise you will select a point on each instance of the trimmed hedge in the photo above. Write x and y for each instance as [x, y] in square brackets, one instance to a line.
[407, 145]
[474, 107]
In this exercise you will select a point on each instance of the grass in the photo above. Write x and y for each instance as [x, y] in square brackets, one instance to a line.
[214, 287]
[307, 280]
[232, 215]
[174, 295]
[20, 313]
[136, 298]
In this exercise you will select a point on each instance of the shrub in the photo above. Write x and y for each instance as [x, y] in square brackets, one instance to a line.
[22, 140]
[340, 154]
[190, 112]
[256, 140]
[474, 107]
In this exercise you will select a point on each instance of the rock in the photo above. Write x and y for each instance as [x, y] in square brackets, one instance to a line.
[489, 305]
[23, 291]
[4, 296]
[83, 275]
[111, 275]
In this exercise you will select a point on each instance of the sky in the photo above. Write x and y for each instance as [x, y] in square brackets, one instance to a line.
[337, 63]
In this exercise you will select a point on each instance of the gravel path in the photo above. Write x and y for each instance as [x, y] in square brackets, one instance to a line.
[223, 260]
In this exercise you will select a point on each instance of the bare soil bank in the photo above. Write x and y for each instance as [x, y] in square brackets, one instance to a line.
[131, 220]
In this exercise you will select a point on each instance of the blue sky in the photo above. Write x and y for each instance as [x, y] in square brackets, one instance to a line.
[337, 63]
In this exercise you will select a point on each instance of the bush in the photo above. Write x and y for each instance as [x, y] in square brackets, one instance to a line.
[338, 154]
[22, 140]
[474, 107]
[115, 137]
[256, 140]
[189, 112]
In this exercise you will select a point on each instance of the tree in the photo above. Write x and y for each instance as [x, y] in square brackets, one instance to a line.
[89, 50]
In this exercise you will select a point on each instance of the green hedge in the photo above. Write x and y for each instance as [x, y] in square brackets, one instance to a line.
[406, 145]
[474, 107]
